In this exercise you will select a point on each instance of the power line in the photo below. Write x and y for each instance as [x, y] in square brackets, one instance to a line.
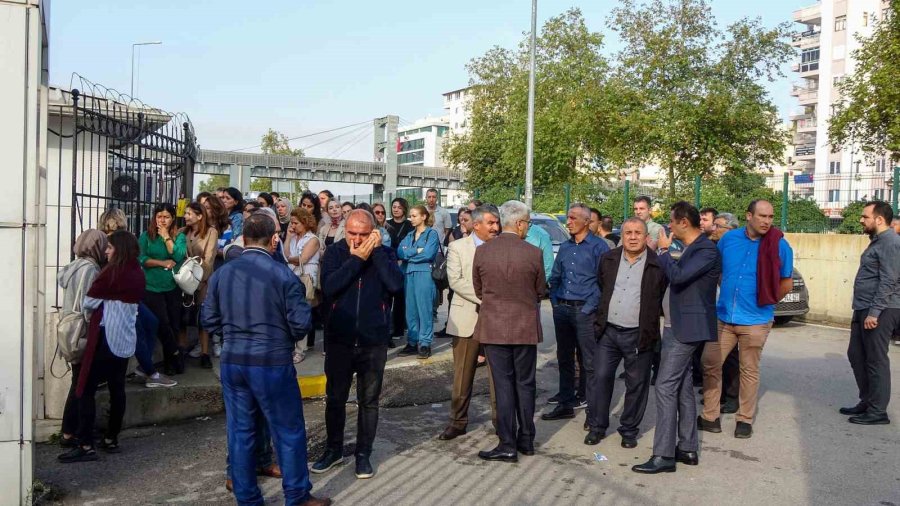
[349, 145]
[310, 135]
[350, 132]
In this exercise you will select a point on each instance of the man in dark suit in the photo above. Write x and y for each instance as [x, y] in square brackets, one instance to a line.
[692, 310]
[508, 277]
[632, 285]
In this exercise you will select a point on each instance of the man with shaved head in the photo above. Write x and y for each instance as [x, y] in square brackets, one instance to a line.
[359, 276]
[574, 294]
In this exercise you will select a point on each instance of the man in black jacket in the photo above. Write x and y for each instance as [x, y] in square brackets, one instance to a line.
[632, 285]
[359, 275]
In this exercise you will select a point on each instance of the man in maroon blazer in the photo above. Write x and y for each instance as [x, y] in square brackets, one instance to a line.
[508, 276]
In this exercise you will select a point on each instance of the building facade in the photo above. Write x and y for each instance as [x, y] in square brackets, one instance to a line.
[422, 143]
[826, 43]
[456, 105]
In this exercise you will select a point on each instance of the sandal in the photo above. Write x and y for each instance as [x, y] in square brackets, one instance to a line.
[109, 447]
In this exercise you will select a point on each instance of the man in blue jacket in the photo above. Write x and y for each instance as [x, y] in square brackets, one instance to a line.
[692, 310]
[257, 367]
[359, 276]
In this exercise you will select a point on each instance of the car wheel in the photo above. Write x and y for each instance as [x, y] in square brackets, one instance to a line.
[782, 320]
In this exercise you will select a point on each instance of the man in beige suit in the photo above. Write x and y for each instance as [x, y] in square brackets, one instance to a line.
[462, 318]
[508, 276]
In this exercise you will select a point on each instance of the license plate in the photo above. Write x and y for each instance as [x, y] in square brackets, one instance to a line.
[791, 297]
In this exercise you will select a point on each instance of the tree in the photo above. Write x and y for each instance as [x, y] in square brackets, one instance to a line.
[702, 106]
[868, 110]
[570, 95]
[276, 143]
[214, 182]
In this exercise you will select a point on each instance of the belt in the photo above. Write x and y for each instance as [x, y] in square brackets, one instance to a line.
[571, 303]
[621, 328]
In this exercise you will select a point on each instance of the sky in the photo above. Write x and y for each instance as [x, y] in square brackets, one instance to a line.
[238, 68]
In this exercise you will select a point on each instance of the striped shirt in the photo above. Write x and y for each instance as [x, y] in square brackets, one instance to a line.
[119, 320]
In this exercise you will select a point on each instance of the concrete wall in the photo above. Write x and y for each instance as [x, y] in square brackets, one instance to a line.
[828, 263]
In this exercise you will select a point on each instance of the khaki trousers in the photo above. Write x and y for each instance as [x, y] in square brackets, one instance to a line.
[751, 339]
[465, 362]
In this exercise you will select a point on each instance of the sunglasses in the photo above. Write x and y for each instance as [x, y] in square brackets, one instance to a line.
[379, 212]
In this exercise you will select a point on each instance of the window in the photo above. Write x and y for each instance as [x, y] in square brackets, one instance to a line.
[834, 167]
[416, 156]
[834, 195]
[837, 80]
[840, 23]
[411, 145]
[879, 194]
[809, 59]
[881, 165]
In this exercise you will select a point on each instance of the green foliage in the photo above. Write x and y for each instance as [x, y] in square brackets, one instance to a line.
[868, 111]
[276, 143]
[217, 181]
[851, 215]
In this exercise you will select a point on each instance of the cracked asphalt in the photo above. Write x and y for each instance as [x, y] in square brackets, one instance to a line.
[802, 450]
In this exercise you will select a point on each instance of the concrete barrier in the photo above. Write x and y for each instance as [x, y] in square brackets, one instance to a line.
[828, 263]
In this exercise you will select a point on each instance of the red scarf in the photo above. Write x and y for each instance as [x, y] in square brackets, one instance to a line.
[123, 283]
[768, 268]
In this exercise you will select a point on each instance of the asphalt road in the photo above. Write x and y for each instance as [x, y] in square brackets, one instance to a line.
[802, 450]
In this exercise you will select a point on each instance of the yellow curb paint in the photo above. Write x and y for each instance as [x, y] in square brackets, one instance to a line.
[311, 386]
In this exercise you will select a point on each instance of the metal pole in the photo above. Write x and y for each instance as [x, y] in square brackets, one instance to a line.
[625, 200]
[895, 189]
[784, 203]
[697, 189]
[154, 43]
[529, 150]
[568, 188]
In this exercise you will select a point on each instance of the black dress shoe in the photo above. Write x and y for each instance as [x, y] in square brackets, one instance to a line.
[408, 350]
[498, 456]
[628, 442]
[870, 419]
[714, 427]
[205, 361]
[743, 430]
[424, 352]
[560, 412]
[655, 465]
[593, 437]
[525, 450]
[728, 407]
[855, 410]
[687, 458]
[451, 433]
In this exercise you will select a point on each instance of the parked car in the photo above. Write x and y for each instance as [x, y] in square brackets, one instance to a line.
[795, 303]
[558, 232]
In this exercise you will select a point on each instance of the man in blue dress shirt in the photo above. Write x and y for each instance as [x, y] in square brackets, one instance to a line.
[575, 294]
[742, 321]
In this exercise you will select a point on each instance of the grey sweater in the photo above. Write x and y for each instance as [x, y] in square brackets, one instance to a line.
[877, 285]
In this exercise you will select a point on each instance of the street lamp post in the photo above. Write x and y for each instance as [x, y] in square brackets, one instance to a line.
[153, 43]
[529, 150]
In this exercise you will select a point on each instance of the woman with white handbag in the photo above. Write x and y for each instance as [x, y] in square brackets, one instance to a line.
[201, 238]
[162, 251]
[303, 258]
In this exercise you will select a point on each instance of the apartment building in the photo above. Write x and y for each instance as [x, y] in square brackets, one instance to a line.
[826, 43]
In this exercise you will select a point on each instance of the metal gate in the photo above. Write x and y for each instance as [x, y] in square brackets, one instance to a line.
[116, 152]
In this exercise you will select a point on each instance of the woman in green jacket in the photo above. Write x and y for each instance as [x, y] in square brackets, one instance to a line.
[162, 251]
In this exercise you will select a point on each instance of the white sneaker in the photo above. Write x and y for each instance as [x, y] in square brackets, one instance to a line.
[217, 349]
[160, 380]
[195, 352]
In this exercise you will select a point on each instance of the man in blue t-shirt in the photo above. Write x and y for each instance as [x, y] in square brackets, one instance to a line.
[742, 321]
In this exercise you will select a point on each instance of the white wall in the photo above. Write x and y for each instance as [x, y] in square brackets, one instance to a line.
[22, 152]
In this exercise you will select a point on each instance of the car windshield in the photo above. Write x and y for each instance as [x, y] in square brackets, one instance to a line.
[557, 233]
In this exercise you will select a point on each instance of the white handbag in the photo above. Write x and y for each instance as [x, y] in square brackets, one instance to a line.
[189, 275]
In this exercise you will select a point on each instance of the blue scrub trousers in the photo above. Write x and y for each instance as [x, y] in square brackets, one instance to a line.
[420, 295]
[274, 391]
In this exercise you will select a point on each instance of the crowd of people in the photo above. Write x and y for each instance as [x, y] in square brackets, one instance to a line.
[268, 273]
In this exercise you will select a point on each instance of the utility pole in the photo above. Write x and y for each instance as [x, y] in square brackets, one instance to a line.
[529, 152]
[153, 43]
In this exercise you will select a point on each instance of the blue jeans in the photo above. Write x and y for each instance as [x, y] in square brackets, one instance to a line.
[146, 327]
[420, 297]
[262, 443]
[272, 390]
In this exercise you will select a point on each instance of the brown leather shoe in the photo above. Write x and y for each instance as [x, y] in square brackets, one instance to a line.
[314, 501]
[271, 470]
[451, 433]
[229, 486]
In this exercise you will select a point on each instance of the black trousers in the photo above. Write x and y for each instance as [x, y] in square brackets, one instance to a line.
[70, 412]
[341, 362]
[572, 327]
[399, 314]
[311, 335]
[111, 369]
[614, 346]
[868, 355]
[167, 307]
[513, 371]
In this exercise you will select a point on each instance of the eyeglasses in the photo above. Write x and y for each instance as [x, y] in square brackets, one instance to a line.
[527, 222]
[379, 212]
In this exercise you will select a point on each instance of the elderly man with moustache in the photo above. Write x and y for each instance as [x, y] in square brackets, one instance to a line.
[463, 317]
[575, 295]
[632, 285]
[690, 305]
[508, 277]
[359, 276]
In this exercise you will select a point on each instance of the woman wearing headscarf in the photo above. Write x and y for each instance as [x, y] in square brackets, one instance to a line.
[111, 338]
[76, 279]
[283, 210]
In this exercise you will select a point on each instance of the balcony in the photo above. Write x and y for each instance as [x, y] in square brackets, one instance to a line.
[807, 124]
[811, 15]
[807, 96]
[805, 152]
[805, 39]
[801, 114]
[806, 68]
